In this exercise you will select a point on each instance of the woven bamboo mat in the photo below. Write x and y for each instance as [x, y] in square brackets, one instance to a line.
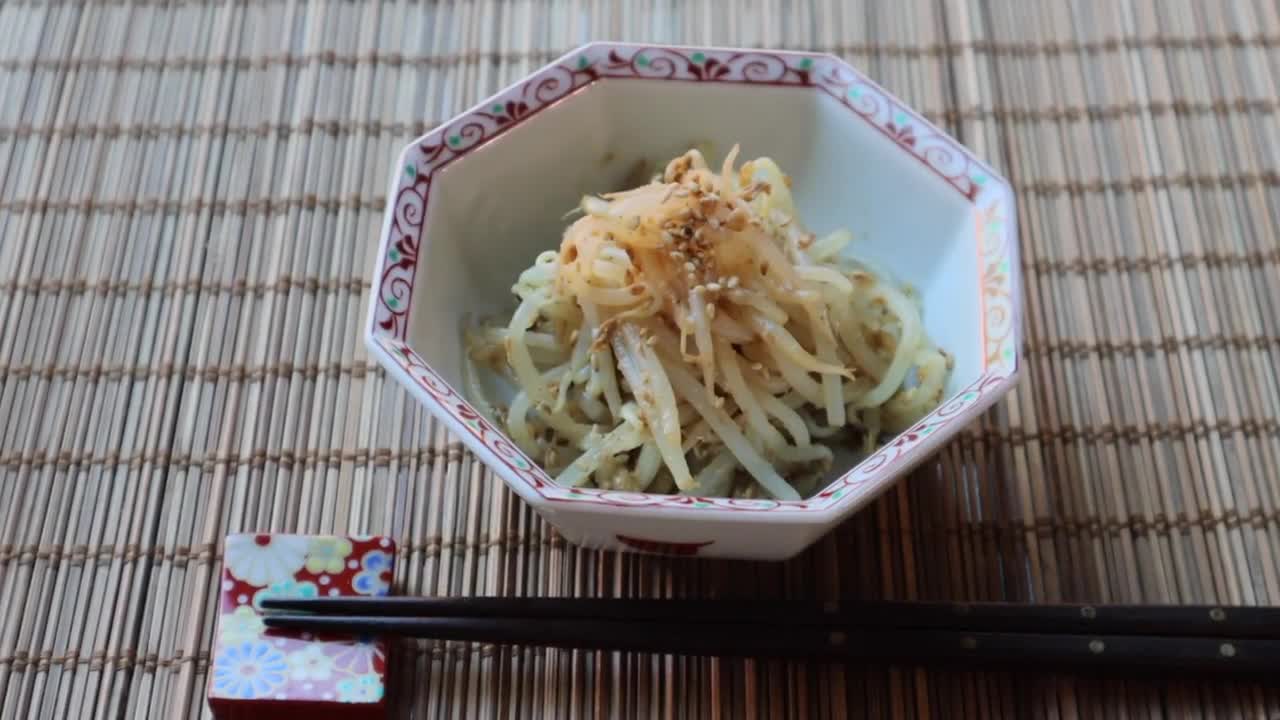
[189, 197]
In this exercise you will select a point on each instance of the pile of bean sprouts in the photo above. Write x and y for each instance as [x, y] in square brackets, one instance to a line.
[690, 335]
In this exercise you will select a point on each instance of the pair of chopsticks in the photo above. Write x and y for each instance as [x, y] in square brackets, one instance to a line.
[1147, 637]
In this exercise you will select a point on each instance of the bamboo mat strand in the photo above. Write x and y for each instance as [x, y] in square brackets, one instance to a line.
[190, 194]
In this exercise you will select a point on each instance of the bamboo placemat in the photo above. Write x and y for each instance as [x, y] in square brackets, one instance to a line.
[190, 193]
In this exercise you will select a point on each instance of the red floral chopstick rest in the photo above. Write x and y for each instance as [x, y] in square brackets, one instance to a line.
[256, 672]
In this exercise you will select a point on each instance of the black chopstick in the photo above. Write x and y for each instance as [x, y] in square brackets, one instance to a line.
[857, 644]
[1146, 620]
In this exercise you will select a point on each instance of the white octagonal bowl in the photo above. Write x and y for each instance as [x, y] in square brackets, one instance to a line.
[473, 202]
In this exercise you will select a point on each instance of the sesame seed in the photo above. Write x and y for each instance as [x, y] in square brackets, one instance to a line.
[711, 310]
[681, 193]
[677, 255]
[733, 281]
[757, 367]
[634, 222]
[651, 341]
[667, 237]
[689, 267]
[713, 286]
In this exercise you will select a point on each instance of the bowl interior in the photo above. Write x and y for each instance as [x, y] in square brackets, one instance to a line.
[491, 215]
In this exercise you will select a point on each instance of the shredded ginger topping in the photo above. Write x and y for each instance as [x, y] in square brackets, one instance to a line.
[690, 335]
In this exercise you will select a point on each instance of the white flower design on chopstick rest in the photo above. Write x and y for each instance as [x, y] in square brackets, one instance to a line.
[310, 663]
[265, 559]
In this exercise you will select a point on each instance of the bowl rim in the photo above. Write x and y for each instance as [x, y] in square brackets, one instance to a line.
[997, 262]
